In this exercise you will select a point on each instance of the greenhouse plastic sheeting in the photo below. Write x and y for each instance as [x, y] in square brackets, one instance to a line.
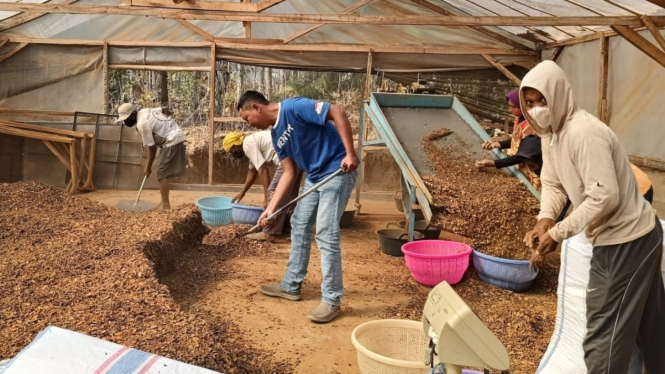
[357, 61]
[564, 354]
[60, 351]
[165, 56]
[54, 78]
[636, 91]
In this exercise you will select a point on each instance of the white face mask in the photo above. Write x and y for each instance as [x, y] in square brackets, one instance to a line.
[542, 116]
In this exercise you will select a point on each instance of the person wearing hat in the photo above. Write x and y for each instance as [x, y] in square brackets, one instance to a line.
[158, 129]
[258, 148]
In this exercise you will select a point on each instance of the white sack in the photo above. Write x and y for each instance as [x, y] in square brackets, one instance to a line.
[564, 354]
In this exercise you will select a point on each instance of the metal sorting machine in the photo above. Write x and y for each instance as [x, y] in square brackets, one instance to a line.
[402, 120]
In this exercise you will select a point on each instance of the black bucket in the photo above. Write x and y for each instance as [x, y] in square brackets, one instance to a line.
[392, 240]
[347, 218]
[430, 232]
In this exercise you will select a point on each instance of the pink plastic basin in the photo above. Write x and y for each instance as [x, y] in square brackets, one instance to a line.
[434, 261]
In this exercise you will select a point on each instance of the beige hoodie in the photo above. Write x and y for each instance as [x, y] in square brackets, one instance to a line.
[582, 158]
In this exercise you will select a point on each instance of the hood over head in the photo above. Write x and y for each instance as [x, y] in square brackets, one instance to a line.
[548, 78]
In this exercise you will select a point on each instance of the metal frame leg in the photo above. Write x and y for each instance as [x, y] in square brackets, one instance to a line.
[408, 199]
[361, 178]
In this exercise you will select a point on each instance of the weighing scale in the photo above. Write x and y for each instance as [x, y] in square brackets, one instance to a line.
[457, 336]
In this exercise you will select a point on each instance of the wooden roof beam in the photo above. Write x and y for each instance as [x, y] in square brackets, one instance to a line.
[196, 29]
[277, 45]
[641, 43]
[329, 18]
[265, 4]
[199, 5]
[21, 18]
[585, 38]
[3, 42]
[503, 69]
[654, 32]
[12, 51]
[329, 47]
[306, 31]
[482, 30]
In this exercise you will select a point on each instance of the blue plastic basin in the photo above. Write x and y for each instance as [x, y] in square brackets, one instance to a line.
[512, 275]
[245, 214]
[215, 210]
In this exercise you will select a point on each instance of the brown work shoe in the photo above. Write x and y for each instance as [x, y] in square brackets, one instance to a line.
[276, 290]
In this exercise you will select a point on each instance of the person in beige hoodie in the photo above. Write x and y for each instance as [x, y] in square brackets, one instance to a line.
[584, 161]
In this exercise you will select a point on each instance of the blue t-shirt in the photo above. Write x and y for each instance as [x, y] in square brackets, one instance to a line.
[302, 134]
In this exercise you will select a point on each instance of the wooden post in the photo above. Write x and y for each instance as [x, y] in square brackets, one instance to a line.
[91, 163]
[211, 119]
[602, 90]
[368, 92]
[506, 125]
[82, 141]
[557, 53]
[105, 67]
[74, 170]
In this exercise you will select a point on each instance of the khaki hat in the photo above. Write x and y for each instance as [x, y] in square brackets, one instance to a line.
[124, 111]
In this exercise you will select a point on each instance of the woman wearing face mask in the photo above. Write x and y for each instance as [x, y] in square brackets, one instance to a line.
[520, 131]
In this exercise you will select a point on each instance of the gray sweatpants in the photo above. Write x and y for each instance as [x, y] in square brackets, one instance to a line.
[626, 304]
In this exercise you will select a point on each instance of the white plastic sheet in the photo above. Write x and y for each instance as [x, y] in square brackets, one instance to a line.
[636, 91]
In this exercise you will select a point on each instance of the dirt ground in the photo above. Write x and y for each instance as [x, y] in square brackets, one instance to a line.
[376, 286]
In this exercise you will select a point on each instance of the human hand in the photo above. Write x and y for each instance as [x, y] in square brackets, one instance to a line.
[263, 219]
[531, 238]
[546, 244]
[484, 164]
[238, 197]
[536, 261]
[350, 163]
[489, 145]
[147, 171]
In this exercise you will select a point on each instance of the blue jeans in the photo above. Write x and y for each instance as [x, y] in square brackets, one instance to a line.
[323, 207]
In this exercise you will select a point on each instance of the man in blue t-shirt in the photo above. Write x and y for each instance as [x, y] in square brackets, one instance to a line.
[317, 137]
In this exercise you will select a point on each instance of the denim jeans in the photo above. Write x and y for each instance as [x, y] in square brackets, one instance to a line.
[323, 207]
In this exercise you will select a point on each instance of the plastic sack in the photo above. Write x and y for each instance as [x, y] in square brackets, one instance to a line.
[565, 354]
[60, 351]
